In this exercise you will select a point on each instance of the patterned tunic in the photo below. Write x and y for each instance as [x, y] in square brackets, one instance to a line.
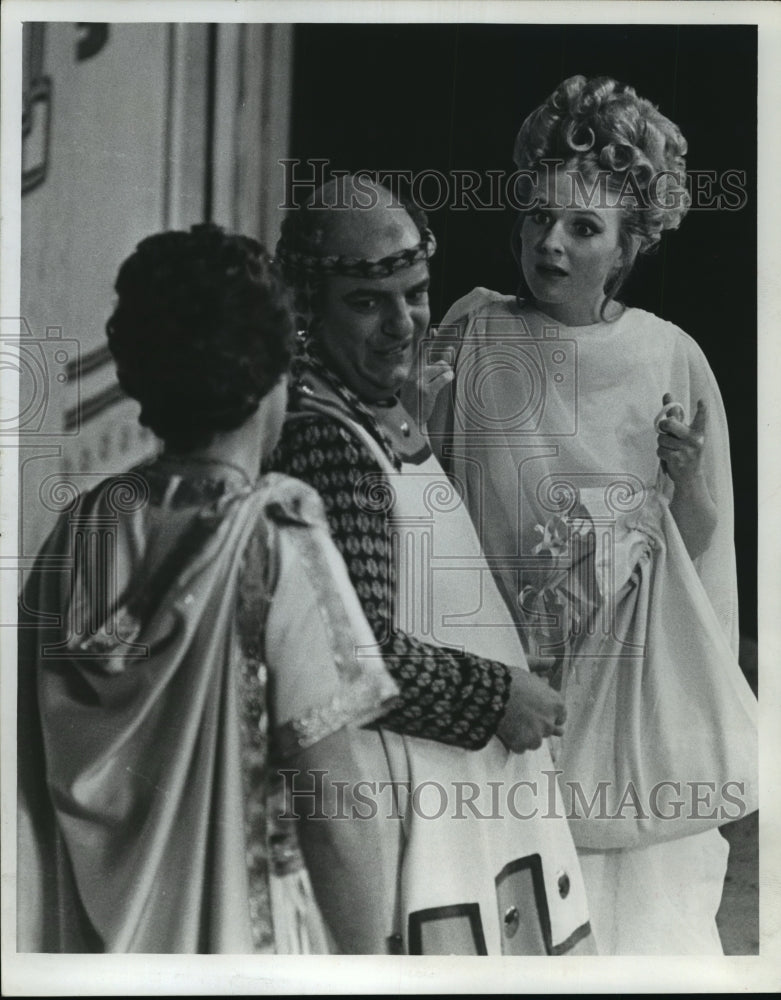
[449, 696]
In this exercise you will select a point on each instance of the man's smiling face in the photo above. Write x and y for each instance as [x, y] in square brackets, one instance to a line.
[368, 327]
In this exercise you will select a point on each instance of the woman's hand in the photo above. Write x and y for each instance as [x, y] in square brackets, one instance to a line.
[679, 445]
[680, 448]
[420, 393]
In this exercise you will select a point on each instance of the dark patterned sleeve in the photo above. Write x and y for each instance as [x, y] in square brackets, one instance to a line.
[446, 695]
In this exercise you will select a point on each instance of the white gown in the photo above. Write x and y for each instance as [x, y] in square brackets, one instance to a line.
[539, 417]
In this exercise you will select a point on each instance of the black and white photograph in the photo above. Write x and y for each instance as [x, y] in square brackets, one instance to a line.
[390, 517]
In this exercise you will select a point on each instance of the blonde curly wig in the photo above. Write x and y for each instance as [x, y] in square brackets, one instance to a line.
[601, 126]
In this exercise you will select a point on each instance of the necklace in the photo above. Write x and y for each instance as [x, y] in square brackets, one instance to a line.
[387, 419]
[388, 404]
[309, 364]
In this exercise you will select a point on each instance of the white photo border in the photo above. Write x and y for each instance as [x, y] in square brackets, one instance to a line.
[28, 975]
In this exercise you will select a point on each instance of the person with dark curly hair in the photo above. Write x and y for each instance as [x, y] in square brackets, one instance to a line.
[490, 876]
[169, 631]
[185, 333]
[591, 444]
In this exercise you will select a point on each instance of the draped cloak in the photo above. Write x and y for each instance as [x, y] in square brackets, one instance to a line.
[180, 635]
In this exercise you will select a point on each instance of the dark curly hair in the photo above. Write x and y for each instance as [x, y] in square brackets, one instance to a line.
[602, 125]
[201, 332]
[305, 230]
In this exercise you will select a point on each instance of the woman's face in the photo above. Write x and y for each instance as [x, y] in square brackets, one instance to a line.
[570, 246]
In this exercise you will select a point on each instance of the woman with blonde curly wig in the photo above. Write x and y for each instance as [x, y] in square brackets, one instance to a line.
[591, 444]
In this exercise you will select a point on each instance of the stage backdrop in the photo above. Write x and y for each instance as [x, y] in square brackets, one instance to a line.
[127, 130]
